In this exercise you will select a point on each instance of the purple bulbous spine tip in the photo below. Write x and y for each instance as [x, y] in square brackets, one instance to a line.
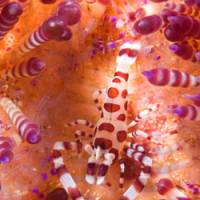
[37, 64]
[173, 47]
[148, 74]
[180, 111]
[113, 19]
[12, 10]
[6, 156]
[33, 136]
[9, 17]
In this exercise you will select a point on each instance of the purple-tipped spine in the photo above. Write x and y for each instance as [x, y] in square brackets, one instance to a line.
[34, 40]
[195, 98]
[30, 68]
[189, 112]
[181, 27]
[167, 77]
[27, 129]
[52, 29]
[6, 146]
[9, 17]
[185, 51]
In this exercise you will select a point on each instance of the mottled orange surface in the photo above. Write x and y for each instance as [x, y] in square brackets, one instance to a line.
[63, 92]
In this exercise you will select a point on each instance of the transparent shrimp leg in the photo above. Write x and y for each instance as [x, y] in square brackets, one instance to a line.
[81, 122]
[98, 97]
[79, 133]
[142, 115]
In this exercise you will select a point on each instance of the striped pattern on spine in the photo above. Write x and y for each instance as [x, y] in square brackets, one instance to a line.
[6, 23]
[189, 112]
[30, 68]
[167, 77]
[27, 129]
[36, 39]
[65, 177]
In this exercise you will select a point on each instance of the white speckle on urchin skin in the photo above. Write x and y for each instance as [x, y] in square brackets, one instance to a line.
[34, 169]
[20, 193]
[9, 40]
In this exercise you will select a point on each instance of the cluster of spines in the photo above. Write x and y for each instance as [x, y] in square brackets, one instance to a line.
[180, 24]
[183, 29]
[55, 27]
[190, 111]
[175, 78]
[34, 42]
[27, 129]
